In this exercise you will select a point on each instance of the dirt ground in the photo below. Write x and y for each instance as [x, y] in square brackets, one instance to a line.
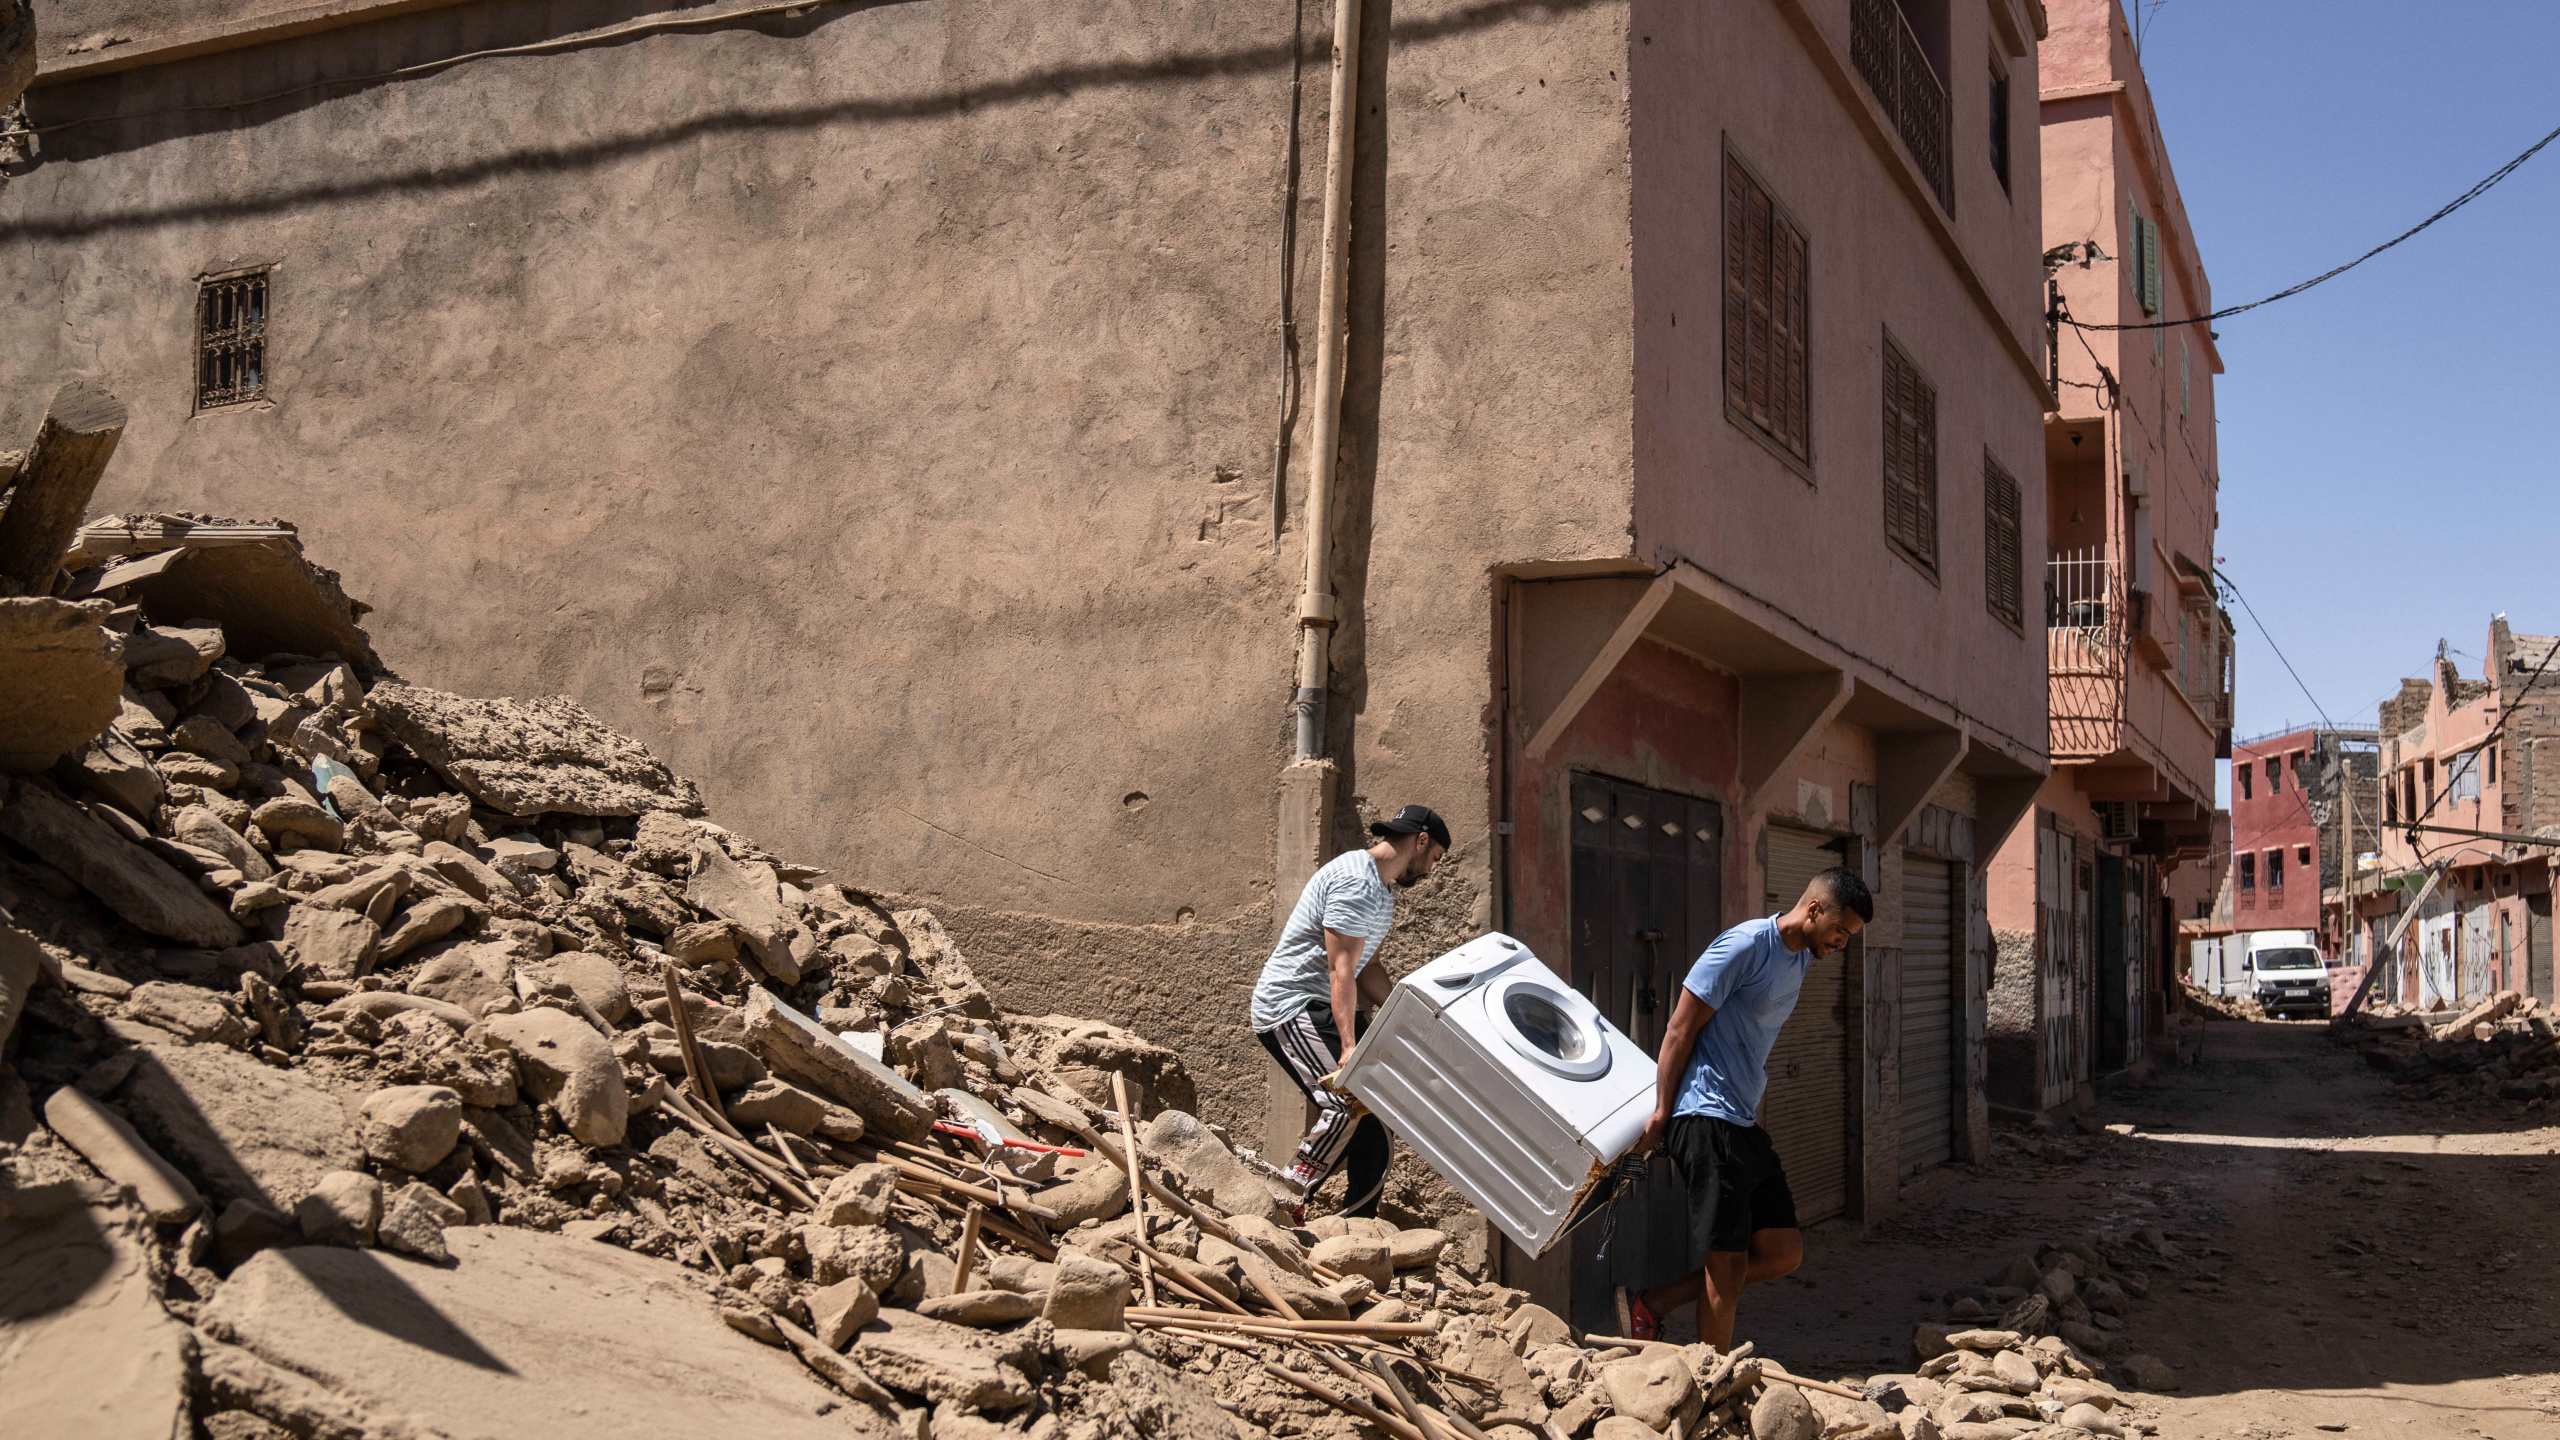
[2370, 1264]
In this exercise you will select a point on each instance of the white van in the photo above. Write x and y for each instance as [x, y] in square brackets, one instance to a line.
[2284, 972]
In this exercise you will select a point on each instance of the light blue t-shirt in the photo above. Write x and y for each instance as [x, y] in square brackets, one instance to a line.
[1751, 979]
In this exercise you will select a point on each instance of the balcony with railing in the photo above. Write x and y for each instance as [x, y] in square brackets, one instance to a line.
[2086, 637]
[1889, 54]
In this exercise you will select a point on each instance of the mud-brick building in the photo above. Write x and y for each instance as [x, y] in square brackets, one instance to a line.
[2470, 780]
[2138, 649]
[905, 416]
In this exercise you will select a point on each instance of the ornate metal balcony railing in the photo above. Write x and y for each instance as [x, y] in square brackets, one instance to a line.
[2086, 641]
[1887, 52]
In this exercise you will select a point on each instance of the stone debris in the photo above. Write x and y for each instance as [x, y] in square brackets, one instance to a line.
[451, 1076]
[65, 675]
[529, 757]
[2502, 1052]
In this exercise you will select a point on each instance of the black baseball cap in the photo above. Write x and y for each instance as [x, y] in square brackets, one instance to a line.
[1414, 820]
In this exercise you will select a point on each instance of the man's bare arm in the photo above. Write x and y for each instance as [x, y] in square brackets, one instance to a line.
[1342, 959]
[1375, 982]
[1688, 1021]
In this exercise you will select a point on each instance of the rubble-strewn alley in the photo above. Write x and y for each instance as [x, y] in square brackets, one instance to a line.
[389, 1063]
[2350, 1255]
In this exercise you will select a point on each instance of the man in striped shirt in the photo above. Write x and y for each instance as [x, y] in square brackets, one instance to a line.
[1306, 1006]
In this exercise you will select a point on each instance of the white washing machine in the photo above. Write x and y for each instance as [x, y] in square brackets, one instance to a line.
[1508, 1083]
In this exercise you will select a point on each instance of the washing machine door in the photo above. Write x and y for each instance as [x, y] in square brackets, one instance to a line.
[1547, 1025]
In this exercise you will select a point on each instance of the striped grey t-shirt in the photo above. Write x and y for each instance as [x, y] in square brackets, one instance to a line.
[1346, 897]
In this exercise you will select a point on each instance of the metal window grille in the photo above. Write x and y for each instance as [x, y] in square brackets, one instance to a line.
[2003, 583]
[231, 340]
[1896, 67]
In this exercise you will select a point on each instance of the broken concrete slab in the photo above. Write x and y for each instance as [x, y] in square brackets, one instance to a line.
[86, 1346]
[197, 825]
[1207, 1169]
[22, 963]
[138, 885]
[190, 1011]
[525, 1334]
[114, 768]
[749, 898]
[52, 486]
[947, 1363]
[66, 676]
[332, 944]
[801, 1050]
[241, 1130]
[159, 657]
[104, 1139]
[571, 1067]
[530, 757]
[251, 578]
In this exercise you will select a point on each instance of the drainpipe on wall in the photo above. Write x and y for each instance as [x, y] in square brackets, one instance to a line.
[1307, 785]
[1317, 613]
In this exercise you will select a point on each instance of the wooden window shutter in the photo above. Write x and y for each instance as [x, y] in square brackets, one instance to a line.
[1767, 344]
[1910, 458]
[1737, 288]
[2003, 577]
[1897, 446]
[1924, 477]
[1757, 226]
[1793, 357]
[2150, 267]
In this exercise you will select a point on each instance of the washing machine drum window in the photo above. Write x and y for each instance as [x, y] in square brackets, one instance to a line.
[1542, 1024]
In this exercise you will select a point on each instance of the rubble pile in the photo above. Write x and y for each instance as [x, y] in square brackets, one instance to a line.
[2029, 1340]
[2502, 1049]
[378, 1062]
[2198, 1000]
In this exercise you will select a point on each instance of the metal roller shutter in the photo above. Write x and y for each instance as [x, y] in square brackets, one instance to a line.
[1928, 1013]
[1806, 1109]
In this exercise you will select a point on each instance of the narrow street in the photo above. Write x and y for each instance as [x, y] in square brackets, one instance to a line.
[2362, 1264]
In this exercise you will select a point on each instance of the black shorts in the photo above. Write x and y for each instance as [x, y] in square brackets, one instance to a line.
[1735, 1183]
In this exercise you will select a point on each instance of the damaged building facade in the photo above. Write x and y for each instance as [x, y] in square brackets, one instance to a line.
[903, 424]
[2300, 798]
[2139, 650]
[2473, 762]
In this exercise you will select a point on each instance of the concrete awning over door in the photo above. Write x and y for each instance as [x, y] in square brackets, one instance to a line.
[1794, 683]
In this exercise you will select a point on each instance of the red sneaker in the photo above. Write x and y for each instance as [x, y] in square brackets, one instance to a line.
[1636, 1320]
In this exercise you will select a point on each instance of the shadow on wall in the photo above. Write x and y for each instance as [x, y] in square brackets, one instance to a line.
[210, 109]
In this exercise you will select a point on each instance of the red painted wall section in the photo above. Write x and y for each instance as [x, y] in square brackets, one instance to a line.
[2274, 819]
[1662, 720]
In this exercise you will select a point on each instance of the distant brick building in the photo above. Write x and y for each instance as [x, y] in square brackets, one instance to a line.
[2286, 831]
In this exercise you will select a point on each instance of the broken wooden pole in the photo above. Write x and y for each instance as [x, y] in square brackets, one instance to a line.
[968, 1247]
[1137, 1183]
[61, 472]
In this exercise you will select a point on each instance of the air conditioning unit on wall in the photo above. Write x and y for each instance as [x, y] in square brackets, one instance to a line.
[2118, 820]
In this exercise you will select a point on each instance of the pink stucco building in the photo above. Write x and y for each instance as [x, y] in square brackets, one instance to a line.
[2473, 762]
[2137, 648]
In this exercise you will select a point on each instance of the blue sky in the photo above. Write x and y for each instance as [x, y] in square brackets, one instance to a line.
[2387, 463]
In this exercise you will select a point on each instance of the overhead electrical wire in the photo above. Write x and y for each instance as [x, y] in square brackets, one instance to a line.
[2485, 185]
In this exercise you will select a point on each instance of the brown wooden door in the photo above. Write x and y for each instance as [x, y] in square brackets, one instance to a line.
[1647, 896]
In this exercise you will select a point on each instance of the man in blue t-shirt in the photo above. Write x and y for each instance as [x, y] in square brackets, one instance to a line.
[1713, 1068]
